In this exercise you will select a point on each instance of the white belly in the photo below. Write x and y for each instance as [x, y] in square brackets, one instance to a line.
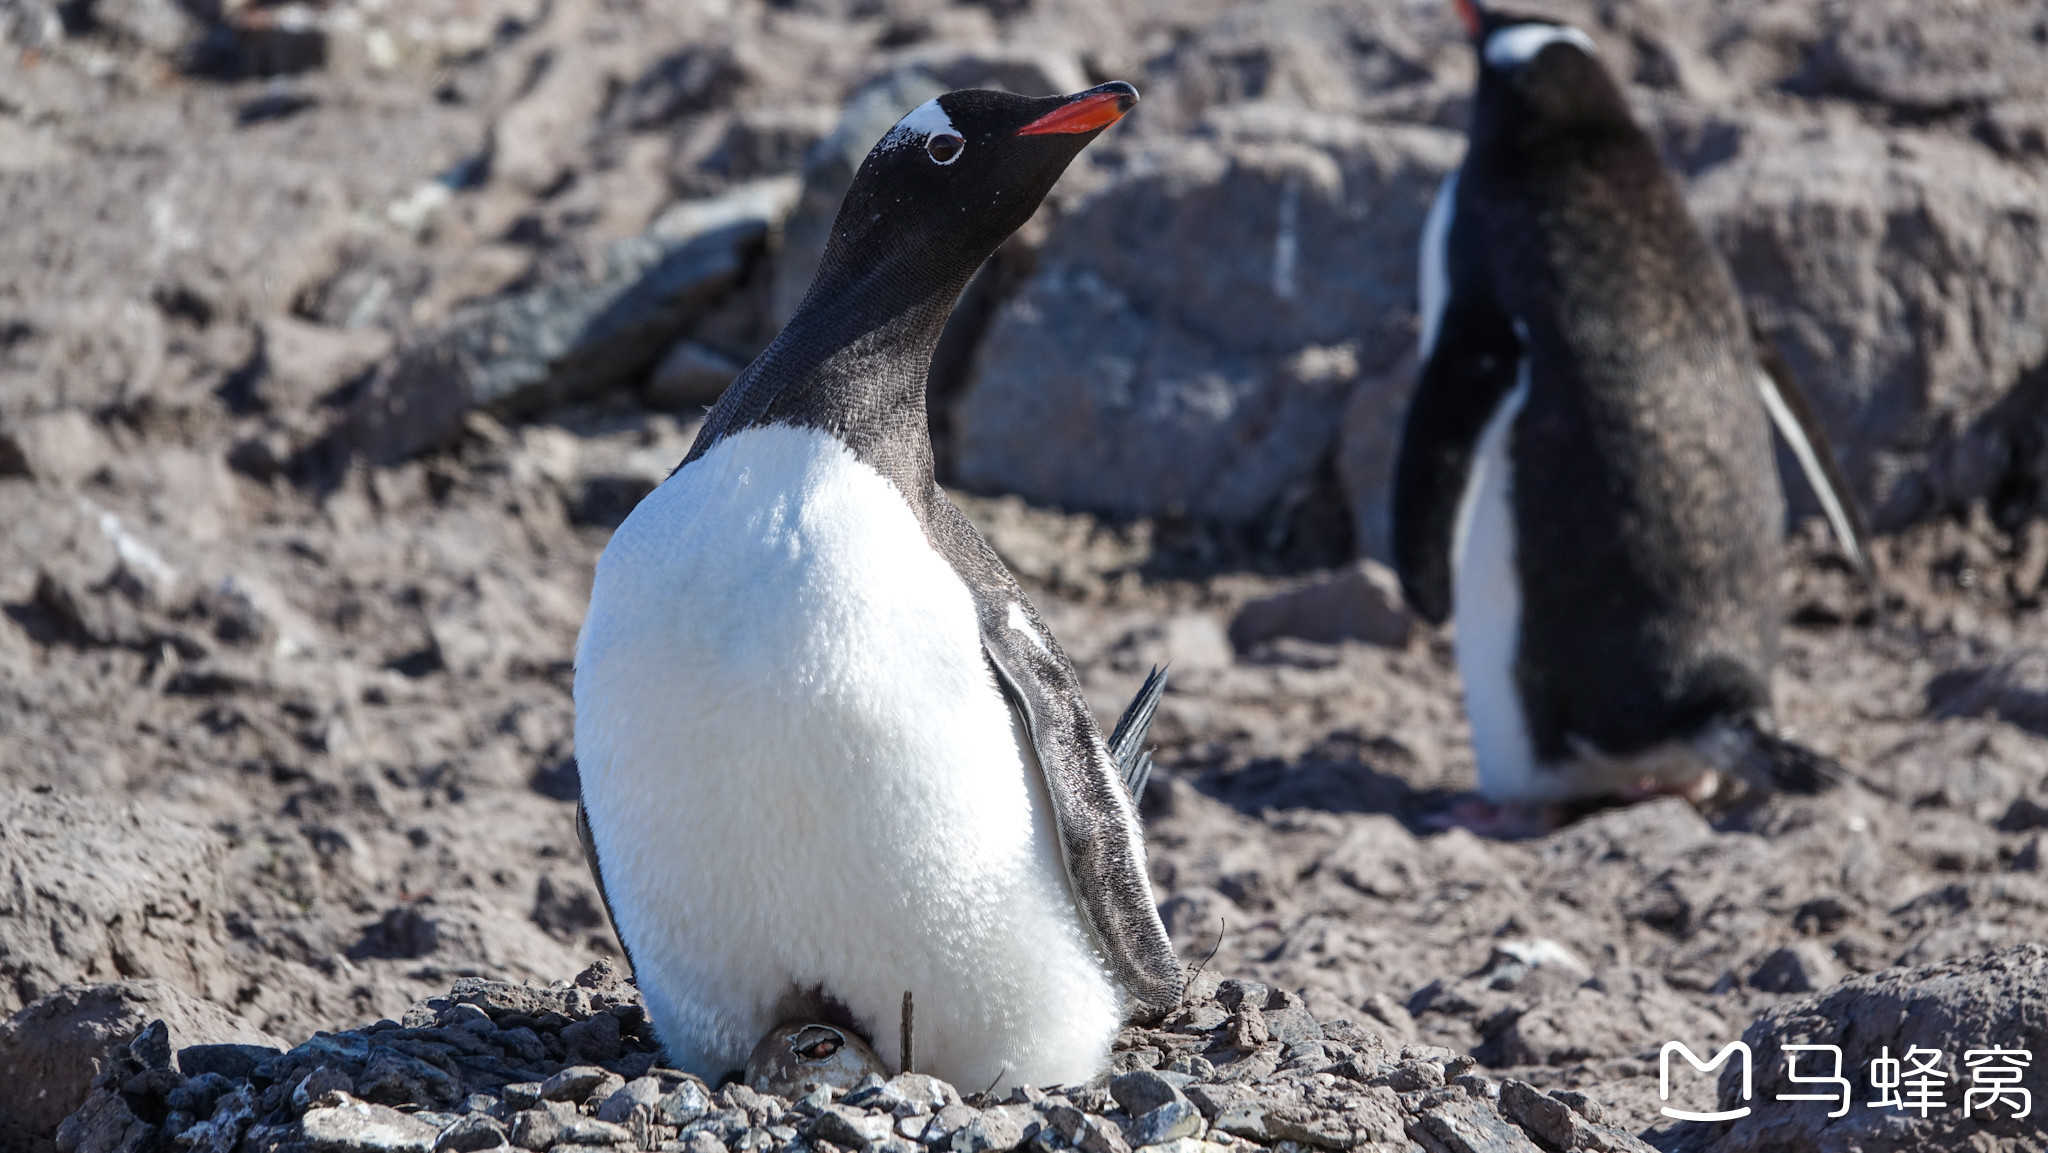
[1486, 600]
[801, 775]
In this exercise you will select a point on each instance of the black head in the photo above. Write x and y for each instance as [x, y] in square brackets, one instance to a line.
[1539, 72]
[955, 177]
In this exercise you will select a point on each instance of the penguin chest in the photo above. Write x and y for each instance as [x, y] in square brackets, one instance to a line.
[1486, 596]
[804, 784]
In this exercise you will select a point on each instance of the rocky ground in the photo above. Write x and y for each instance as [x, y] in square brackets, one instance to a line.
[335, 338]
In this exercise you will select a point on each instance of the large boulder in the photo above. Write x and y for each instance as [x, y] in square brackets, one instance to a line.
[51, 1050]
[1991, 1001]
[569, 339]
[96, 891]
[1904, 275]
[1199, 323]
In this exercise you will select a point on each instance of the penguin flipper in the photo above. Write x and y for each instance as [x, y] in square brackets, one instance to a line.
[1793, 416]
[1127, 740]
[588, 840]
[1102, 845]
[1471, 370]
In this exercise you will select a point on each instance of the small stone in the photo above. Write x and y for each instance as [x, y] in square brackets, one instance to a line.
[948, 1121]
[1246, 1029]
[848, 1126]
[522, 1094]
[1234, 994]
[1142, 1091]
[991, 1131]
[1169, 1121]
[536, 1128]
[1088, 1133]
[619, 1105]
[359, 1127]
[703, 1142]
[687, 1102]
[475, 1132]
[1199, 1019]
[319, 1083]
[591, 1131]
[1800, 967]
[468, 1016]
[908, 1093]
[574, 1083]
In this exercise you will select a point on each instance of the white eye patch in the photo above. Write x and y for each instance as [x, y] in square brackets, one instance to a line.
[924, 122]
[1517, 44]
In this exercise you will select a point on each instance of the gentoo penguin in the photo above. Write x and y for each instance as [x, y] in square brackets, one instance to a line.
[830, 753]
[1586, 479]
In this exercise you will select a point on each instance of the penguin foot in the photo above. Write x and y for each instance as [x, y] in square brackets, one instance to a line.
[799, 1053]
[1506, 821]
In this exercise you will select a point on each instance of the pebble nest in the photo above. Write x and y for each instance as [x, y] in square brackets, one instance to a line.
[575, 1068]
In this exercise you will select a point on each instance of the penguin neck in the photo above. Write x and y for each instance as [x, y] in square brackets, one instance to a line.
[854, 361]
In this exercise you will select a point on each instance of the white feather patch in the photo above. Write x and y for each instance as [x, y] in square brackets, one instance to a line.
[1831, 502]
[801, 776]
[1517, 44]
[1487, 601]
[923, 122]
[1018, 622]
[1435, 271]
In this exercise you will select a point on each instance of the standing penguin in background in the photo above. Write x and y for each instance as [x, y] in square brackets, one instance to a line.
[1586, 479]
[830, 754]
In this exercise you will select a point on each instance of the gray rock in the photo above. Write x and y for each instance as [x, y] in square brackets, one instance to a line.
[84, 882]
[1167, 1122]
[1142, 1091]
[1199, 323]
[568, 339]
[690, 376]
[1089, 1133]
[303, 363]
[1927, 57]
[575, 1084]
[687, 1102]
[1461, 1124]
[1800, 967]
[848, 1126]
[163, 26]
[1993, 1000]
[1361, 601]
[1873, 260]
[542, 1127]
[50, 1050]
[360, 1127]
[617, 1107]
[471, 1134]
[1558, 1124]
[993, 1130]
[63, 447]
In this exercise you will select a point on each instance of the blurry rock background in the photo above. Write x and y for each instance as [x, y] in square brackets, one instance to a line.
[335, 338]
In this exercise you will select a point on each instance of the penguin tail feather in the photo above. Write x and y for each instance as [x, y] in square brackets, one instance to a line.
[1763, 760]
[1127, 740]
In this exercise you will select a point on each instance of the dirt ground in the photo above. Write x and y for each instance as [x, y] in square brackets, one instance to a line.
[294, 732]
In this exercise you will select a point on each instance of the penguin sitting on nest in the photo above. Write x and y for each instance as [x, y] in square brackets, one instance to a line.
[1586, 480]
[831, 757]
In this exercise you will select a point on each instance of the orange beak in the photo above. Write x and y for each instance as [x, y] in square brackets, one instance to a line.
[1468, 14]
[1086, 113]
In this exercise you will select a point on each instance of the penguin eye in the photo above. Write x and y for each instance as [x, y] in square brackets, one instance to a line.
[944, 147]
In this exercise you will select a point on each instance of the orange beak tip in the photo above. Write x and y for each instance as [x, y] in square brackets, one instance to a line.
[1086, 114]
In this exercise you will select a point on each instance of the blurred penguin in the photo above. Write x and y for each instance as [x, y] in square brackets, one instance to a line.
[1586, 479]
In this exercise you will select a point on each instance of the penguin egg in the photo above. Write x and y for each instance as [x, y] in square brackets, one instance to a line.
[944, 147]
